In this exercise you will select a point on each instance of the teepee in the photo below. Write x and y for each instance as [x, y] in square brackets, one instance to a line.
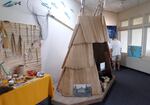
[79, 66]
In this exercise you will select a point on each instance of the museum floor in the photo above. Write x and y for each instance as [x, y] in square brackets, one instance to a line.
[130, 88]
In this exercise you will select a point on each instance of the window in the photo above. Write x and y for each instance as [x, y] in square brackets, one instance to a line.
[124, 23]
[148, 42]
[138, 21]
[136, 37]
[124, 40]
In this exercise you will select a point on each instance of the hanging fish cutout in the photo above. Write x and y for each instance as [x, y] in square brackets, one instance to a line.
[54, 5]
[72, 10]
[63, 3]
[67, 15]
[45, 5]
[11, 3]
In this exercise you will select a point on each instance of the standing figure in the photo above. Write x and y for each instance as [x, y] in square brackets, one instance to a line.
[116, 53]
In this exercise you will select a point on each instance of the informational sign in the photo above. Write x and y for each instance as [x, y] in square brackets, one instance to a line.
[82, 90]
[102, 66]
[135, 51]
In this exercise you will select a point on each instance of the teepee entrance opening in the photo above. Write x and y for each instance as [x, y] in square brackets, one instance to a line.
[102, 55]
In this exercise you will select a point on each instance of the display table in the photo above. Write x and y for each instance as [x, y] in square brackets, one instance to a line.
[30, 93]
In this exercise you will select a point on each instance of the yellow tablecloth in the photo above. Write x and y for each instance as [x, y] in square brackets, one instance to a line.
[29, 94]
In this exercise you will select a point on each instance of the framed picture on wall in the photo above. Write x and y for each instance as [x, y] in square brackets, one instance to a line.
[112, 31]
[135, 51]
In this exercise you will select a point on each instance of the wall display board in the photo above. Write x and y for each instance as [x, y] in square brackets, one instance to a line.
[19, 45]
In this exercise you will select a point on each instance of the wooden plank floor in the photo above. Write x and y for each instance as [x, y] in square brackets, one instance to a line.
[61, 100]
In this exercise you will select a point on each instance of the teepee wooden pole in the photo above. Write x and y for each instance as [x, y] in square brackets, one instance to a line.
[99, 8]
[82, 7]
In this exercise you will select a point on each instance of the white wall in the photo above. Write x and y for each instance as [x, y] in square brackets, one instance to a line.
[139, 10]
[55, 47]
[111, 18]
[142, 64]
[17, 13]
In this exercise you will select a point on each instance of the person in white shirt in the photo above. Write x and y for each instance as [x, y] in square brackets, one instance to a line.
[116, 53]
[110, 47]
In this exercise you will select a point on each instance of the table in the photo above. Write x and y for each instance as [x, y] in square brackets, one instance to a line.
[30, 93]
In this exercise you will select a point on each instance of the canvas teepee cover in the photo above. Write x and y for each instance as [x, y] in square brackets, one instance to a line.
[79, 65]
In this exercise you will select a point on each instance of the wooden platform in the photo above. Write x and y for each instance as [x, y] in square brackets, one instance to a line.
[61, 100]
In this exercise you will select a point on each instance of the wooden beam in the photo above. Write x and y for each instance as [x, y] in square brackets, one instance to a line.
[53, 17]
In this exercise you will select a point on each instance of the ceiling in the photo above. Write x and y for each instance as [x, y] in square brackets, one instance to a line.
[110, 5]
[114, 5]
